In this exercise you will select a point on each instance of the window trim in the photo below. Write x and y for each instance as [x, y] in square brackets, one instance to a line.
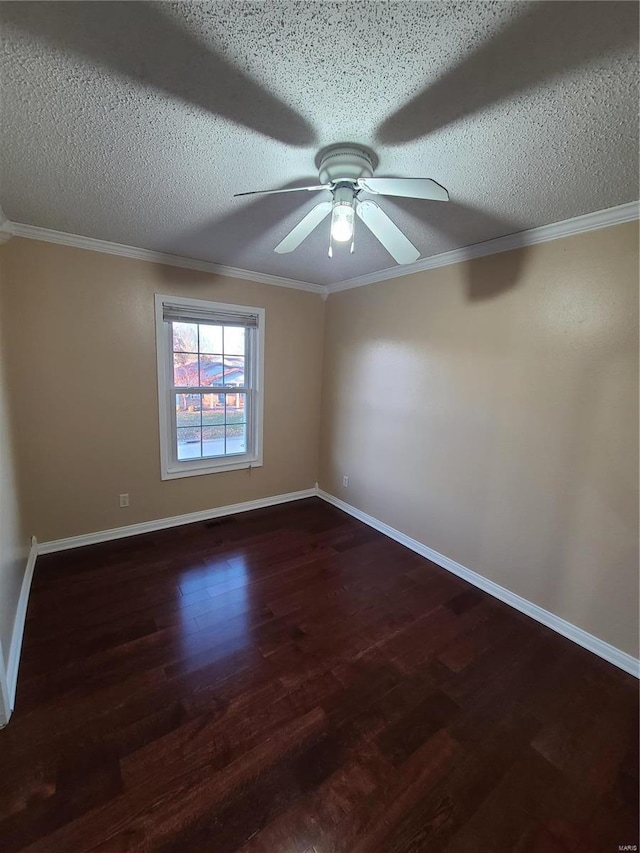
[170, 467]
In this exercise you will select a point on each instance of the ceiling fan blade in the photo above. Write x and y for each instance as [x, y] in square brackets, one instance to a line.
[405, 188]
[399, 247]
[289, 190]
[303, 228]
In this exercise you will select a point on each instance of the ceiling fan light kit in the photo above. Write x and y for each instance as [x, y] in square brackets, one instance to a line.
[346, 171]
[343, 213]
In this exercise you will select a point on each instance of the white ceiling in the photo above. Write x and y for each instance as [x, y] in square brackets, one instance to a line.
[136, 123]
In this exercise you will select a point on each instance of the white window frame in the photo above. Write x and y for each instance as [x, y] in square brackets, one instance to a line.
[170, 467]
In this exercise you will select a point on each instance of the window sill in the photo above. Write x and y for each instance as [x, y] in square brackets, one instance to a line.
[179, 472]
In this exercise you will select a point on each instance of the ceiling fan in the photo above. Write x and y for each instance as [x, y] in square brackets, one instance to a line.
[346, 171]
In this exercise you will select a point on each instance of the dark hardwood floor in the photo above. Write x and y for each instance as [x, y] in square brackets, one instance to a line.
[288, 681]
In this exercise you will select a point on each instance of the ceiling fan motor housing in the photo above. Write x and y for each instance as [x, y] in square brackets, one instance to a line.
[345, 163]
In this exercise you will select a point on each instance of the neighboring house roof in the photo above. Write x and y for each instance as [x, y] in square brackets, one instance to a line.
[215, 372]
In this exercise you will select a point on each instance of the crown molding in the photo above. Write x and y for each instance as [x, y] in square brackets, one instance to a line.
[543, 234]
[77, 241]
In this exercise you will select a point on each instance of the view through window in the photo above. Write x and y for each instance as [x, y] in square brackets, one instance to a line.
[209, 369]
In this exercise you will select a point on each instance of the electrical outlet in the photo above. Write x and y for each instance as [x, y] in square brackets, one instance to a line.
[124, 501]
[345, 481]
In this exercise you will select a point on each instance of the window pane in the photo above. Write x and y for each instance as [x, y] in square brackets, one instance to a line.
[212, 409]
[185, 370]
[233, 370]
[213, 441]
[188, 410]
[210, 370]
[236, 438]
[233, 340]
[189, 443]
[210, 338]
[236, 411]
[185, 337]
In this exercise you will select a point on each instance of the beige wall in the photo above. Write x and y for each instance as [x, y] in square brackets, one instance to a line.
[487, 409]
[79, 331]
[13, 539]
[490, 410]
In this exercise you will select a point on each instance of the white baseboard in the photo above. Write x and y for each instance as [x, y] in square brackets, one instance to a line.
[174, 521]
[5, 704]
[13, 661]
[567, 629]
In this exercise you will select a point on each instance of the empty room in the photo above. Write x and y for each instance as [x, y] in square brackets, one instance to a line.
[319, 426]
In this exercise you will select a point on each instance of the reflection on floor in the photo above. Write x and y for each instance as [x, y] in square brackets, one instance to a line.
[291, 680]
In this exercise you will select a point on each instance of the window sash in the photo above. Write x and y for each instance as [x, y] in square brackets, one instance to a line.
[254, 355]
[246, 389]
[248, 355]
[249, 453]
[211, 389]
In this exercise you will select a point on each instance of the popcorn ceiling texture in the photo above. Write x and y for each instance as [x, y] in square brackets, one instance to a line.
[136, 123]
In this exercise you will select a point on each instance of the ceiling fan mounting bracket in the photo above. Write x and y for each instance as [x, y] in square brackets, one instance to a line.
[345, 162]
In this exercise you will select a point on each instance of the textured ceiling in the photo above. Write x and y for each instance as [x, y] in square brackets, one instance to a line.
[136, 123]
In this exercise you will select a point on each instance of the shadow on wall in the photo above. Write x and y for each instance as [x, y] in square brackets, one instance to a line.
[486, 279]
[458, 223]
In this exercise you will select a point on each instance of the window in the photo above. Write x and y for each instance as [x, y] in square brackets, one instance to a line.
[210, 369]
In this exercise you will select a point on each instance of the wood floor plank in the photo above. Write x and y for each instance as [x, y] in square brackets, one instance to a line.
[291, 680]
